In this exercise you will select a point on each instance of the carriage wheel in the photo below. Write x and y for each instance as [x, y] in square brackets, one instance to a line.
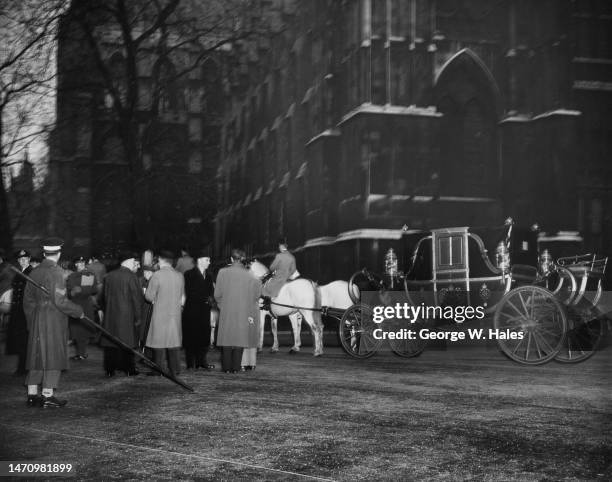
[364, 281]
[356, 332]
[533, 325]
[407, 348]
[583, 338]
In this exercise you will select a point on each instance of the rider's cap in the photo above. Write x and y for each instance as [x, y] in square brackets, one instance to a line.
[79, 259]
[52, 245]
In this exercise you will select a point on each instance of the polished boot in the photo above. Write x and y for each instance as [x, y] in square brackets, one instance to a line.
[52, 402]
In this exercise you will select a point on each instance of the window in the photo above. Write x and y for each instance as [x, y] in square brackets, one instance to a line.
[195, 129]
[195, 162]
[450, 251]
[119, 77]
[170, 98]
[379, 18]
[400, 18]
[476, 148]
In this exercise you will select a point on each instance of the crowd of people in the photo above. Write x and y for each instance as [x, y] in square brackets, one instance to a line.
[156, 303]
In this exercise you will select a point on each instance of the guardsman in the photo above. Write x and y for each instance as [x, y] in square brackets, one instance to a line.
[17, 336]
[81, 286]
[47, 317]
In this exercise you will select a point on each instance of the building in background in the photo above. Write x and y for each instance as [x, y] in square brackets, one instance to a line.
[366, 120]
[133, 154]
[29, 208]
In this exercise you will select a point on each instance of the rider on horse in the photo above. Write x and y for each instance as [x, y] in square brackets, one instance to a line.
[283, 268]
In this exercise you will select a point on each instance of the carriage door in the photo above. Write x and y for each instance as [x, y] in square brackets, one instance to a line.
[451, 266]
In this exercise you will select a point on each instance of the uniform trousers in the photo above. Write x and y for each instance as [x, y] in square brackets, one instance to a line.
[231, 358]
[48, 378]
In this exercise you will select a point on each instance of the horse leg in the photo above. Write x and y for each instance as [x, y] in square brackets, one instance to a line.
[297, 330]
[296, 327]
[262, 324]
[274, 329]
[316, 327]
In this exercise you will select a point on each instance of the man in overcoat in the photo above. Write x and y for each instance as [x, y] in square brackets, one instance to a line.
[47, 317]
[81, 286]
[166, 290]
[283, 267]
[237, 292]
[17, 336]
[122, 301]
[199, 292]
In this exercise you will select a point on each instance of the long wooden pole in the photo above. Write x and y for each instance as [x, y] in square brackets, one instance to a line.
[113, 338]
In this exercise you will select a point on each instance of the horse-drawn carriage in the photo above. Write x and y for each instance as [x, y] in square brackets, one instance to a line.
[540, 309]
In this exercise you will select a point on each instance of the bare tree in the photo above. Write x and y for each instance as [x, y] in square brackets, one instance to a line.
[144, 54]
[26, 79]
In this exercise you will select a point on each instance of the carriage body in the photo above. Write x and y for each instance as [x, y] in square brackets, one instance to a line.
[501, 271]
[454, 266]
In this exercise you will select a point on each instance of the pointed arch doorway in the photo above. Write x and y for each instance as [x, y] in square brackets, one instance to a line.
[468, 97]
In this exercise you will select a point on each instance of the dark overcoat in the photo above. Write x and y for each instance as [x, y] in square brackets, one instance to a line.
[17, 333]
[81, 287]
[122, 302]
[237, 292]
[47, 318]
[199, 291]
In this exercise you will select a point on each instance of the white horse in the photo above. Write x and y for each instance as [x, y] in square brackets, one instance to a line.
[302, 299]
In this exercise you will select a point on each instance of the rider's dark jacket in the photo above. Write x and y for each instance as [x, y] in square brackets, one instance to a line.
[283, 267]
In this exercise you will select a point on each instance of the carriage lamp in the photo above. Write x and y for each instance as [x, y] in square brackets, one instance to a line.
[545, 262]
[391, 266]
[391, 263]
[502, 257]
